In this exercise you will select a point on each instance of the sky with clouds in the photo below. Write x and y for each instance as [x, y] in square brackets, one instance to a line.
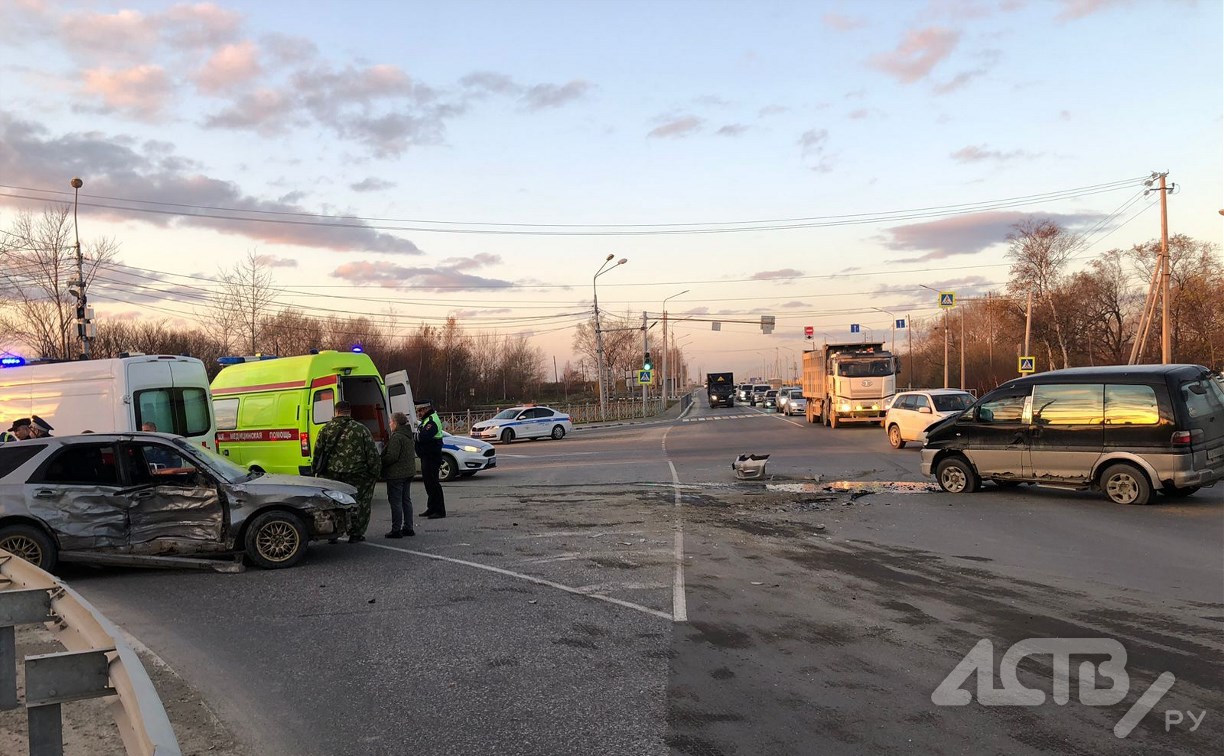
[807, 160]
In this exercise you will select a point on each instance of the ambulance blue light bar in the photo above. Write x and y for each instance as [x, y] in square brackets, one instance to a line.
[240, 360]
[358, 348]
[11, 360]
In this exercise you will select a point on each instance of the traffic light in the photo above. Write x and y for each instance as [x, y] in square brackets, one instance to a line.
[646, 363]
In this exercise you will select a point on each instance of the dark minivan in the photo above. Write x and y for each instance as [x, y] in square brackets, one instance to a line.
[1127, 430]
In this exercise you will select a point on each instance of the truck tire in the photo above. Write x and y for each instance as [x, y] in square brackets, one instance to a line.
[833, 419]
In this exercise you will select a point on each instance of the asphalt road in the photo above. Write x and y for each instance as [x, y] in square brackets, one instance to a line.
[620, 592]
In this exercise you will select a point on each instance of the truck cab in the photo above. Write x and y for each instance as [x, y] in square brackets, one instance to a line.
[849, 383]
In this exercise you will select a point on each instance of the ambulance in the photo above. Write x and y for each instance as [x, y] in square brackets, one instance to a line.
[270, 410]
[116, 395]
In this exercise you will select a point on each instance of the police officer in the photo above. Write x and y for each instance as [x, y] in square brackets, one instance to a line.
[40, 428]
[345, 451]
[18, 431]
[429, 449]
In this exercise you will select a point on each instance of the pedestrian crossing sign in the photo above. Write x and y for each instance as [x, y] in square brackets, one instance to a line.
[947, 299]
[645, 377]
[1028, 365]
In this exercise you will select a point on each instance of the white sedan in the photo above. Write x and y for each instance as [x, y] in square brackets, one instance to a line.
[912, 412]
[528, 421]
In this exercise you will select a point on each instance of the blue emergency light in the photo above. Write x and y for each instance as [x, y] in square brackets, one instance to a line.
[11, 360]
[358, 348]
[240, 360]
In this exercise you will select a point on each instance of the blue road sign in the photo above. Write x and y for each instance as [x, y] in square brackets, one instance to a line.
[947, 299]
[854, 328]
[900, 322]
[645, 377]
[1028, 365]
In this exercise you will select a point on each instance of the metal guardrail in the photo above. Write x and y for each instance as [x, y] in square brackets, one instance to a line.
[98, 662]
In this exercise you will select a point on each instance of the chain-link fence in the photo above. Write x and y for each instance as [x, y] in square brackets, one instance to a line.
[460, 423]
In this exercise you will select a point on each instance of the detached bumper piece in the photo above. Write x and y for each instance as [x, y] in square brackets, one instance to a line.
[750, 466]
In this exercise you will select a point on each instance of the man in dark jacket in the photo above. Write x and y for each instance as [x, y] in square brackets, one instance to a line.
[345, 451]
[429, 449]
[398, 467]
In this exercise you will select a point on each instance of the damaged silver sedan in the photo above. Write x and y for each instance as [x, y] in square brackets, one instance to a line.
[138, 498]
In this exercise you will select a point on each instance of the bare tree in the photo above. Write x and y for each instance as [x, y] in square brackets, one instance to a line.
[244, 301]
[37, 266]
[1040, 250]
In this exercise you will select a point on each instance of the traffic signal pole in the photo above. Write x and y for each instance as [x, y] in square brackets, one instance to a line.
[645, 352]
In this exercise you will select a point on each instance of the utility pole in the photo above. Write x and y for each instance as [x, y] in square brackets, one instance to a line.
[1166, 345]
[663, 374]
[1028, 323]
[945, 348]
[645, 351]
[909, 337]
[962, 350]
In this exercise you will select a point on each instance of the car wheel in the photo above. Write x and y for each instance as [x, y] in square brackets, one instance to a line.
[1125, 484]
[275, 540]
[448, 469]
[1173, 492]
[31, 544]
[558, 433]
[894, 437]
[507, 436]
[955, 475]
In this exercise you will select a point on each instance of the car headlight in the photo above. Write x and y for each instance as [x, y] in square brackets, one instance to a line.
[339, 496]
[844, 407]
[470, 449]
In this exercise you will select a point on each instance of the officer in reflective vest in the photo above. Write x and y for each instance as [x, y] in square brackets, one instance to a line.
[429, 449]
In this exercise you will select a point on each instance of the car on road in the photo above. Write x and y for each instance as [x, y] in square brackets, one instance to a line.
[1126, 430]
[791, 400]
[758, 393]
[911, 412]
[527, 421]
[771, 400]
[463, 457]
[743, 393]
[129, 498]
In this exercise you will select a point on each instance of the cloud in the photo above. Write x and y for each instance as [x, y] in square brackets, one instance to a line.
[678, 127]
[372, 184]
[141, 91]
[441, 278]
[129, 36]
[489, 82]
[732, 129]
[781, 273]
[964, 234]
[812, 145]
[543, 96]
[974, 154]
[265, 111]
[118, 166]
[1077, 9]
[470, 313]
[793, 304]
[919, 52]
[769, 110]
[272, 261]
[989, 59]
[842, 23]
[229, 66]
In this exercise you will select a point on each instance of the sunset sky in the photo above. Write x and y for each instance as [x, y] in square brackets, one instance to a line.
[806, 160]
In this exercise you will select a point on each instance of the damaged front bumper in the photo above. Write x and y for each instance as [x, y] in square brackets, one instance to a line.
[324, 523]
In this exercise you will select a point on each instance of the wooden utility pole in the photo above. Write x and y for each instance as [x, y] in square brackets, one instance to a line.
[962, 350]
[1166, 346]
[1028, 323]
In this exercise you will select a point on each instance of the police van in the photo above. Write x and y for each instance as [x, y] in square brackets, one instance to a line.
[112, 395]
[270, 410]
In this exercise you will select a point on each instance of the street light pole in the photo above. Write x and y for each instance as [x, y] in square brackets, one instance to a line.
[945, 330]
[663, 382]
[599, 349]
[82, 301]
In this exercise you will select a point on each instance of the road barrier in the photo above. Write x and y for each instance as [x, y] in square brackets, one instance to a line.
[98, 662]
[460, 423]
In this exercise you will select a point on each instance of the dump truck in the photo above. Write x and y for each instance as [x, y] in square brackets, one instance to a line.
[849, 383]
[720, 388]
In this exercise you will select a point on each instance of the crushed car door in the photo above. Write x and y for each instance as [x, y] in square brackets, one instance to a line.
[171, 498]
[77, 493]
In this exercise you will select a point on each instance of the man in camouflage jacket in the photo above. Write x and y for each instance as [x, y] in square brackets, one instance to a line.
[345, 451]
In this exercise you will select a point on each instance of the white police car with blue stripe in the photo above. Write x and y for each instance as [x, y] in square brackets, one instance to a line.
[527, 421]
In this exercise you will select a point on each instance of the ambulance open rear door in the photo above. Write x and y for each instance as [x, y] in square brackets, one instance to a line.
[399, 396]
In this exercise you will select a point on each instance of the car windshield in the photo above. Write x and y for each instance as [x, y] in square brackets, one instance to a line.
[865, 368]
[509, 414]
[218, 464]
[952, 402]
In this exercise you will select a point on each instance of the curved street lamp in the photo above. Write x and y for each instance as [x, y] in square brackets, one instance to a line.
[663, 387]
[599, 350]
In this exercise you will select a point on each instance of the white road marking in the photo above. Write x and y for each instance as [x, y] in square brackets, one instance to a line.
[546, 456]
[679, 605]
[530, 579]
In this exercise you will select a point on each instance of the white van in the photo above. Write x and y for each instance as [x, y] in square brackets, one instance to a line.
[113, 396]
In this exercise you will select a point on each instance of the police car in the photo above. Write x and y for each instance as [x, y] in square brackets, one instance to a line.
[528, 421]
[463, 457]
